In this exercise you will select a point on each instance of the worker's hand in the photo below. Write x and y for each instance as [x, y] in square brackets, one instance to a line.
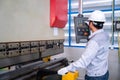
[62, 71]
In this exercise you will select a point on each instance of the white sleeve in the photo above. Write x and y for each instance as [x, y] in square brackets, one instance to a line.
[89, 54]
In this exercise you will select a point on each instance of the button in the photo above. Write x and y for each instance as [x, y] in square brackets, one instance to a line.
[86, 29]
[78, 29]
[83, 30]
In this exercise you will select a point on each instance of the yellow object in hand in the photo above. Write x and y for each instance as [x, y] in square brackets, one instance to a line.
[70, 76]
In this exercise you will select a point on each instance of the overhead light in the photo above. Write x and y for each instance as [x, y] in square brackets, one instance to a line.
[94, 2]
[91, 2]
[75, 4]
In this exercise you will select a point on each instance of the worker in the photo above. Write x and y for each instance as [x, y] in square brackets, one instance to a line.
[95, 57]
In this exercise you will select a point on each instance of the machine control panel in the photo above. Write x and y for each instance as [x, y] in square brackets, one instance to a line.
[81, 29]
[117, 25]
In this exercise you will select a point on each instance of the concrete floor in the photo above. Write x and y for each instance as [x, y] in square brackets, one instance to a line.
[114, 64]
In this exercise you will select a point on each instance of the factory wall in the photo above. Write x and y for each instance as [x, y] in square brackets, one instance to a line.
[109, 8]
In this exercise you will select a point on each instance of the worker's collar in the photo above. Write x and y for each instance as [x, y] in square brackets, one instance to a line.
[94, 33]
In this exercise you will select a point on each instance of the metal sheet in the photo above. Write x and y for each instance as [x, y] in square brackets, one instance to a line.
[23, 20]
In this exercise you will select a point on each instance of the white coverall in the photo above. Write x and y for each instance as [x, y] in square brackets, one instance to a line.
[95, 57]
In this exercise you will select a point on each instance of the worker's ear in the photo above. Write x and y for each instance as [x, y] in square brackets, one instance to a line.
[90, 23]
